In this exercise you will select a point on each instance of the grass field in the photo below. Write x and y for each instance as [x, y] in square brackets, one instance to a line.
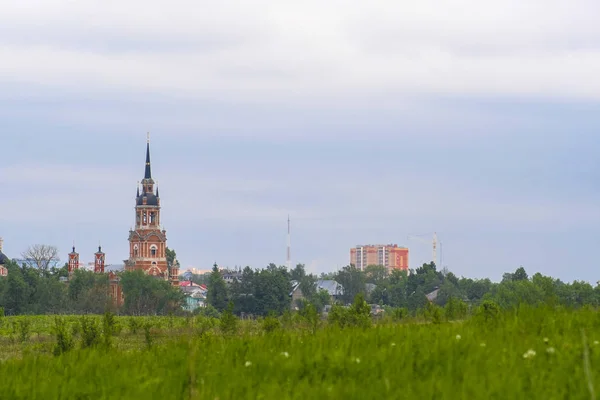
[528, 354]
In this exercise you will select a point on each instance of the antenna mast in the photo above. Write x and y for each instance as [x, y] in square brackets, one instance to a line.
[435, 242]
[289, 246]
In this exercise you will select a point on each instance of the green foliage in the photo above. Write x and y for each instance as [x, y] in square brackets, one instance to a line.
[109, 328]
[24, 329]
[434, 313]
[229, 322]
[208, 311]
[488, 313]
[357, 315]
[217, 290]
[146, 294]
[90, 332]
[310, 315]
[455, 309]
[533, 353]
[64, 340]
[148, 334]
[134, 324]
[352, 280]
[399, 313]
[271, 324]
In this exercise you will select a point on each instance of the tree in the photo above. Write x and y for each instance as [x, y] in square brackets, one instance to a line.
[375, 274]
[41, 256]
[146, 294]
[352, 280]
[298, 273]
[217, 290]
[520, 274]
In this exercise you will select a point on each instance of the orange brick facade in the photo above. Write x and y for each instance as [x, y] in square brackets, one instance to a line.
[390, 256]
[148, 241]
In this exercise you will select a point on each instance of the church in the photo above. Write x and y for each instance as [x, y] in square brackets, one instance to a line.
[147, 241]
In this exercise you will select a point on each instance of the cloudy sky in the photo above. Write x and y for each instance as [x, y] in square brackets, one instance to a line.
[364, 121]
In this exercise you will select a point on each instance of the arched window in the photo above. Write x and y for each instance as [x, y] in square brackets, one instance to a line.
[153, 250]
[135, 250]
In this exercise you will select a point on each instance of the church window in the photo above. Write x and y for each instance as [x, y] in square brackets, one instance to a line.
[152, 217]
[153, 251]
[145, 218]
[135, 250]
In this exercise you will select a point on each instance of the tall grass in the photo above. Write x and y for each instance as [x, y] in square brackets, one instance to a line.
[524, 354]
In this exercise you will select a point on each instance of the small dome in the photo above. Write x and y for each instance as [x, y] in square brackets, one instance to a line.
[151, 199]
[3, 258]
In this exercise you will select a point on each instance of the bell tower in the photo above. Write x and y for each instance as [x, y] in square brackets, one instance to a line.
[73, 262]
[148, 241]
[99, 261]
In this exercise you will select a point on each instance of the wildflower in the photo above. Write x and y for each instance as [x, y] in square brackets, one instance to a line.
[458, 337]
[357, 360]
[248, 363]
[285, 354]
[550, 350]
[596, 343]
[393, 344]
[529, 354]
[546, 340]
[482, 344]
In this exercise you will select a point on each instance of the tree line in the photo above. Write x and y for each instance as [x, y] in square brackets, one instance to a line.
[31, 290]
[268, 290]
[39, 288]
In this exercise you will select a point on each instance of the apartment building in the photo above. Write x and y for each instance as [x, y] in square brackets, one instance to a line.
[389, 255]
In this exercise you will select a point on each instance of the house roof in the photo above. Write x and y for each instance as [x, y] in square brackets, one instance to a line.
[114, 267]
[433, 295]
[331, 286]
[3, 258]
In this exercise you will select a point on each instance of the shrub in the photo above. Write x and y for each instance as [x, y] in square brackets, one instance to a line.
[23, 326]
[358, 314]
[228, 321]
[455, 309]
[64, 341]
[134, 324]
[109, 328]
[399, 313]
[271, 324]
[488, 312]
[310, 315]
[433, 313]
[90, 332]
[147, 333]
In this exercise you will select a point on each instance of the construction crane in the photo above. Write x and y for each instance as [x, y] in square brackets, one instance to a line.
[435, 243]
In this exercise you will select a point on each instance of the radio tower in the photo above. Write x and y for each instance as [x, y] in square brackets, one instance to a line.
[289, 247]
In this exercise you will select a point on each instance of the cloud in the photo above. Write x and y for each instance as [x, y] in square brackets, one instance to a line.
[299, 53]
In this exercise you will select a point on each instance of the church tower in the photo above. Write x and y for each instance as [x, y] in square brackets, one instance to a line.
[99, 261]
[147, 241]
[73, 262]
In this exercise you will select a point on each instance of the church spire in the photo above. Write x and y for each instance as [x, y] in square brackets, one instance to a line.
[148, 172]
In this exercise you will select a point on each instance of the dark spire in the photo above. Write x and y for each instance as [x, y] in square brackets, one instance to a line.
[157, 192]
[73, 249]
[148, 173]
[99, 249]
[138, 192]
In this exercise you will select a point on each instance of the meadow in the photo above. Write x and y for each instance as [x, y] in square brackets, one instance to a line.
[527, 353]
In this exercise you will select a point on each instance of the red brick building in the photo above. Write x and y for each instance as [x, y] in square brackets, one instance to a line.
[390, 256]
[148, 241]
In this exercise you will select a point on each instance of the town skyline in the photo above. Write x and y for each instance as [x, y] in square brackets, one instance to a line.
[365, 123]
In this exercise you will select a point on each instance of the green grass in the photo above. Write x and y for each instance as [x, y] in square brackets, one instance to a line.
[452, 360]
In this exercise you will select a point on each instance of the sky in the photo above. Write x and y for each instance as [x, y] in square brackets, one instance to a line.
[365, 122]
